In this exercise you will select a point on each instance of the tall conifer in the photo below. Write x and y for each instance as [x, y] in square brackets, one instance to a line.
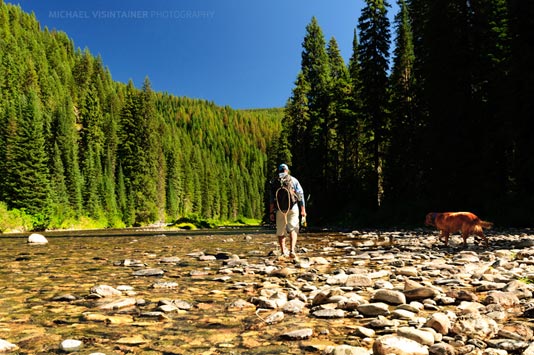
[373, 55]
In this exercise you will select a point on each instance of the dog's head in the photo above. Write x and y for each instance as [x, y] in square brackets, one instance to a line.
[430, 219]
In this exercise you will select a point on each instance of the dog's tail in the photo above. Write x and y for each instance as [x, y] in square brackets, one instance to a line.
[485, 224]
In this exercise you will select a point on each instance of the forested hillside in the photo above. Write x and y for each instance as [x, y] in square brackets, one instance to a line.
[74, 144]
[441, 124]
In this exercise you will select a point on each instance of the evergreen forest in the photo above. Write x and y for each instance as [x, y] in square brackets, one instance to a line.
[77, 146]
[431, 113]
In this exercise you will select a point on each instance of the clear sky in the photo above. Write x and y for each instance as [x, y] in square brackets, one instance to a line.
[240, 53]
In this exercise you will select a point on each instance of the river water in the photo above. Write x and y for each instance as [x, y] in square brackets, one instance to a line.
[44, 292]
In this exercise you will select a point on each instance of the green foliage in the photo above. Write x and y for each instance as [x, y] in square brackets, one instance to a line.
[13, 220]
[78, 149]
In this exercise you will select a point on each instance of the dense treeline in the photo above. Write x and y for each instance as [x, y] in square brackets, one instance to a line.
[447, 127]
[75, 144]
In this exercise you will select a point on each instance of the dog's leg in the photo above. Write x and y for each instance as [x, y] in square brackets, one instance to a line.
[465, 235]
[444, 238]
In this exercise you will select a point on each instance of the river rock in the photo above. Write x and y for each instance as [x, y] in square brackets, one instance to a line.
[329, 313]
[373, 309]
[389, 296]
[294, 306]
[298, 334]
[517, 331]
[442, 349]
[170, 260]
[118, 304]
[6, 346]
[346, 350]
[420, 336]
[274, 317]
[358, 281]
[105, 291]
[475, 326]
[439, 322]
[70, 345]
[36, 238]
[398, 345]
[504, 299]
[149, 272]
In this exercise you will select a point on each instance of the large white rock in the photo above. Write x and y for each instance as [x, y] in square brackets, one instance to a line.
[36, 238]
[398, 345]
[6, 346]
[70, 345]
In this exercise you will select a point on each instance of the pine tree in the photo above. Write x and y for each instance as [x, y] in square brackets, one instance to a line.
[403, 170]
[373, 53]
[28, 176]
[312, 165]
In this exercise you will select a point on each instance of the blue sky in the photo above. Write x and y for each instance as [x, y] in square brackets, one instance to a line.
[240, 53]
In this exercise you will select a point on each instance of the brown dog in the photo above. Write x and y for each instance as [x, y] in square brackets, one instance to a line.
[451, 222]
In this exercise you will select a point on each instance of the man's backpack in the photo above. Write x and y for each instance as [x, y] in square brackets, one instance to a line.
[284, 193]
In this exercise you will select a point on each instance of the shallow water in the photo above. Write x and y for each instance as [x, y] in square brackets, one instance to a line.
[31, 276]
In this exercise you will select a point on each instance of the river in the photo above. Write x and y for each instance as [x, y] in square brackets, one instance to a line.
[45, 291]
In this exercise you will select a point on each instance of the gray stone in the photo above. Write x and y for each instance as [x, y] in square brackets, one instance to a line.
[149, 272]
[298, 334]
[398, 345]
[389, 296]
[373, 309]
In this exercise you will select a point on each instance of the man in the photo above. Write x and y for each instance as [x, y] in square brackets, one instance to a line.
[287, 218]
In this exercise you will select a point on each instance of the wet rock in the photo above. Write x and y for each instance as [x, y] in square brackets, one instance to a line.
[149, 272]
[298, 334]
[241, 305]
[329, 313]
[165, 285]
[358, 281]
[118, 304]
[346, 350]
[130, 263]
[105, 291]
[398, 345]
[373, 309]
[170, 260]
[70, 345]
[107, 319]
[274, 318]
[36, 238]
[65, 298]
[294, 306]
[6, 346]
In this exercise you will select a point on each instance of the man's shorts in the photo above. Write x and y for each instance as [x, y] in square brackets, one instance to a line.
[286, 223]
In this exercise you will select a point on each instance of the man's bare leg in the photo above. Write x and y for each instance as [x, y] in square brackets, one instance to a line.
[282, 244]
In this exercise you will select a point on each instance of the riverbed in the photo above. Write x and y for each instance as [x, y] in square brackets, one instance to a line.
[202, 290]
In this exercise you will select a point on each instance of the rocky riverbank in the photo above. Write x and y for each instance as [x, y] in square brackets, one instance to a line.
[349, 293]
